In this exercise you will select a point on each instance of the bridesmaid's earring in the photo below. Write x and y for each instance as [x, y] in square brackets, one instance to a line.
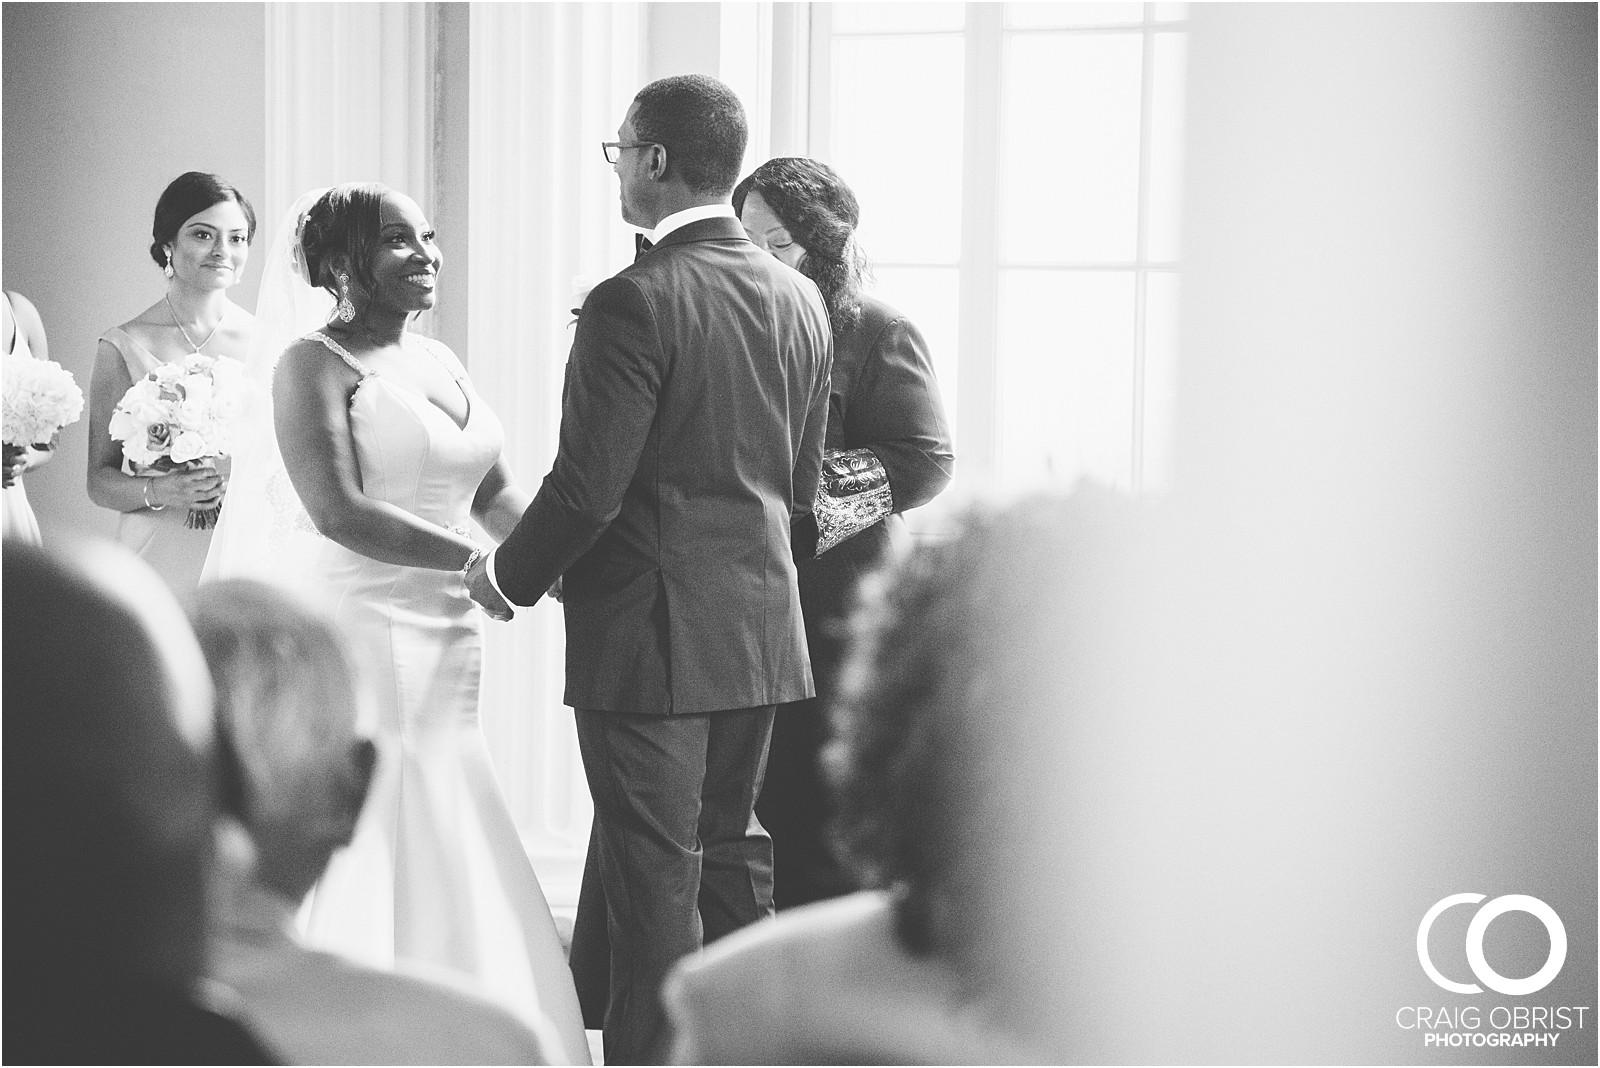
[167, 267]
[346, 311]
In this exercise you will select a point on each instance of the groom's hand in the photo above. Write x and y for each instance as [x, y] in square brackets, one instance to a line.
[482, 591]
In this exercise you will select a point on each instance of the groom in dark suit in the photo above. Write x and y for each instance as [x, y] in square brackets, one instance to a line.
[695, 404]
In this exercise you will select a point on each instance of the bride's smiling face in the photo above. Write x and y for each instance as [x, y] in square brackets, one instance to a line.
[405, 261]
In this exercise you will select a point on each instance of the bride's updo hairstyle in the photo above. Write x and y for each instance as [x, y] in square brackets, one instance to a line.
[821, 213]
[186, 196]
[342, 225]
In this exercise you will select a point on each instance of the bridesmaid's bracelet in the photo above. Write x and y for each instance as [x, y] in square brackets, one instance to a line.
[146, 494]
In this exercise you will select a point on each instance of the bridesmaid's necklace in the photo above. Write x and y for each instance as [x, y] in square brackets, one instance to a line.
[174, 313]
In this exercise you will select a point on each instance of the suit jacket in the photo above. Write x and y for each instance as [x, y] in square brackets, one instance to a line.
[884, 397]
[693, 416]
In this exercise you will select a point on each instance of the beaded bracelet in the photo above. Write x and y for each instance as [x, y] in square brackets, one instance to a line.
[477, 550]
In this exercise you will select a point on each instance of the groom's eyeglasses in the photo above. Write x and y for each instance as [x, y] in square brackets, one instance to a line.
[613, 149]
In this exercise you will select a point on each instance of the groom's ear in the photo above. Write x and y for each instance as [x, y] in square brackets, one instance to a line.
[658, 163]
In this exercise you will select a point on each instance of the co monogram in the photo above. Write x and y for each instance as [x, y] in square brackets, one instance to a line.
[1475, 930]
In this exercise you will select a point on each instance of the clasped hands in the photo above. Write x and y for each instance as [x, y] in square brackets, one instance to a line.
[482, 591]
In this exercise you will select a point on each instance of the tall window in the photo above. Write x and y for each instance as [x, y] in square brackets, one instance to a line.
[1018, 170]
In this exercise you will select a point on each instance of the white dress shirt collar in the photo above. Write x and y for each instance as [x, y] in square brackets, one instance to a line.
[687, 216]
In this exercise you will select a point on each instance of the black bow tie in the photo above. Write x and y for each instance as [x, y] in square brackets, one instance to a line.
[641, 245]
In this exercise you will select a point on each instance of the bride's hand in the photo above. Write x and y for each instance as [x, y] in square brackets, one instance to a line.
[481, 590]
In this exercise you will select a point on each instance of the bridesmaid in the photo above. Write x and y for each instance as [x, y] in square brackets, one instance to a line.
[21, 333]
[202, 233]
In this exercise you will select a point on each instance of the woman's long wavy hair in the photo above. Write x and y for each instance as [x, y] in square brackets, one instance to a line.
[821, 213]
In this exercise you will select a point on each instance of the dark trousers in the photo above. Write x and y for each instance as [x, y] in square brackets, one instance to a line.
[796, 804]
[796, 807]
[676, 858]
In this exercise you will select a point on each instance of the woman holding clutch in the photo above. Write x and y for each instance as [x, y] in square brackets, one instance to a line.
[888, 450]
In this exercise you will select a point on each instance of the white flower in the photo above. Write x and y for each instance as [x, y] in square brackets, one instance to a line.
[225, 370]
[37, 399]
[182, 411]
[188, 446]
[195, 407]
[124, 425]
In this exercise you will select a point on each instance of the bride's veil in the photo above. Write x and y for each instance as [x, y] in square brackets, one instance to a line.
[261, 512]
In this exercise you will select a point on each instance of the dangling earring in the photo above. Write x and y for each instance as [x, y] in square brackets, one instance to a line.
[346, 311]
[166, 268]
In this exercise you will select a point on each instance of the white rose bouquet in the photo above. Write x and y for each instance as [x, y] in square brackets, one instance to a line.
[181, 417]
[37, 399]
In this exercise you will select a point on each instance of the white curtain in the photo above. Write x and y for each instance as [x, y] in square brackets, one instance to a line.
[548, 83]
[350, 97]
[355, 92]
[350, 91]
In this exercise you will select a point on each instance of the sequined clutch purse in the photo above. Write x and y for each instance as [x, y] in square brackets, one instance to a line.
[852, 495]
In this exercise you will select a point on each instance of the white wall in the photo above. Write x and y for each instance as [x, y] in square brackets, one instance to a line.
[1360, 661]
[103, 105]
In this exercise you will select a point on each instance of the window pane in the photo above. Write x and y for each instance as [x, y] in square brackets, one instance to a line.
[1065, 378]
[1168, 12]
[877, 18]
[1070, 155]
[1166, 145]
[896, 105]
[1033, 16]
[1160, 378]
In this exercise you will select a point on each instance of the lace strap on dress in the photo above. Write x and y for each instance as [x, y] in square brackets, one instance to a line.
[344, 354]
[441, 352]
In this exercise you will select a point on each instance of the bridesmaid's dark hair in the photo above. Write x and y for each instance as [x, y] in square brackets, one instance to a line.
[343, 223]
[821, 213]
[186, 196]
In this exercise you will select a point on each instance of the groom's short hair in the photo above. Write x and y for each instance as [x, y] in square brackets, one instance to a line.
[701, 123]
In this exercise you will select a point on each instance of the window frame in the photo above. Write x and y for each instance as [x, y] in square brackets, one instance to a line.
[980, 263]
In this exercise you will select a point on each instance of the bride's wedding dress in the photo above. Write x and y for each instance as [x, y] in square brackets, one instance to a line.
[436, 872]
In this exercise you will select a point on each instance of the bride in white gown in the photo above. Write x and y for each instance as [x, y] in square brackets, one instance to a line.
[388, 452]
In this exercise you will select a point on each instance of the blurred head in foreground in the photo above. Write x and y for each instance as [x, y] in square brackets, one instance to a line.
[953, 729]
[109, 805]
[286, 717]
